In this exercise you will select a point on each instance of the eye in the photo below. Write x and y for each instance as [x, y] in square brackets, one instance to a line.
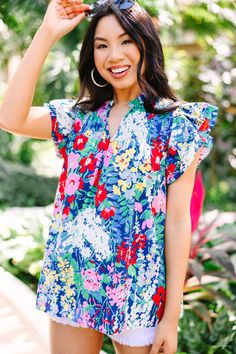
[127, 41]
[101, 46]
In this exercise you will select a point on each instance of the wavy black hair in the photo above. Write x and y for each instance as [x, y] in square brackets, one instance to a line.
[138, 24]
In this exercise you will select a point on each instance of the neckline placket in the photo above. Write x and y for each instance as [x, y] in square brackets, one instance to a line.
[132, 104]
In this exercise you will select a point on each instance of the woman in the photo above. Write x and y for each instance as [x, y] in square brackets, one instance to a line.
[116, 257]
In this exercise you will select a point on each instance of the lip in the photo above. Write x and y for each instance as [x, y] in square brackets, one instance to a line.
[120, 75]
[118, 67]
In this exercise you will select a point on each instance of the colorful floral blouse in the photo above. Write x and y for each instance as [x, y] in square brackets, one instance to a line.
[104, 264]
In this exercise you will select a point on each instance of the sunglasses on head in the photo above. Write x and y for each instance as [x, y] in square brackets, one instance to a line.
[121, 4]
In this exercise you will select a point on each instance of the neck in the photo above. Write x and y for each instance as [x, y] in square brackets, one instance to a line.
[122, 97]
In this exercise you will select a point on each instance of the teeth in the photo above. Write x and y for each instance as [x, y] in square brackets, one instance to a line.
[120, 70]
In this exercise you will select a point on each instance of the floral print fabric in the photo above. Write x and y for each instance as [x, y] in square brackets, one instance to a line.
[104, 264]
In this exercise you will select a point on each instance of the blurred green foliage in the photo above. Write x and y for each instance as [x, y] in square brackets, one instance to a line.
[199, 44]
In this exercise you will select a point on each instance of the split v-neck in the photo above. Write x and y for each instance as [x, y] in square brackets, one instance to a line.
[136, 102]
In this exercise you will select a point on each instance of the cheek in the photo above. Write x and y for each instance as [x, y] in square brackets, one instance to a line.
[99, 59]
[134, 51]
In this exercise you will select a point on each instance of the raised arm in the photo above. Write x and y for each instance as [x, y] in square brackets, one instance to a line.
[16, 112]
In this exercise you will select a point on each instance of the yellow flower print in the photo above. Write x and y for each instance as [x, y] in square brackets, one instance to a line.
[149, 257]
[88, 133]
[140, 186]
[62, 263]
[146, 166]
[123, 185]
[63, 299]
[133, 169]
[122, 161]
[60, 228]
[116, 190]
[66, 306]
[114, 145]
[130, 152]
[69, 291]
[51, 277]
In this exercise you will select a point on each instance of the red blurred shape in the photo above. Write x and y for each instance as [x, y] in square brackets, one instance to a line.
[197, 200]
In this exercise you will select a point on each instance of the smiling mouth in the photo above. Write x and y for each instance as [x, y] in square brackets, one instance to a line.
[119, 70]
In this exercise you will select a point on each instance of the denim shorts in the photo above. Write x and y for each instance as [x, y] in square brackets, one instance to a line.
[138, 336]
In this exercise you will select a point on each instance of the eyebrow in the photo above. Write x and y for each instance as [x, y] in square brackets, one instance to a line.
[105, 40]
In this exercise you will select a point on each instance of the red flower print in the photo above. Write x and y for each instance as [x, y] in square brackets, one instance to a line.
[71, 199]
[103, 145]
[205, 125]
[80, 142]
[77, 126]
[151, 115]
[140, 240]
[160, 311]
[101, 194]
[159, 296]
[55, 127]
[63, 151]
[159, 299]
[171, 168]
[107, 213]
[62, 182]
[66, 211]
[127, 254]
[156, 154]
[88, 162]
[156, 157]
[97, 178]
[172, 151]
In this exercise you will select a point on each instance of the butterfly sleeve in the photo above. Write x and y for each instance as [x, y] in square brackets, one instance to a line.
[189, 130]
[62, 120]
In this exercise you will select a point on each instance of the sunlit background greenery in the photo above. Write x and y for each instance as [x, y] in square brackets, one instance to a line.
[199, 43]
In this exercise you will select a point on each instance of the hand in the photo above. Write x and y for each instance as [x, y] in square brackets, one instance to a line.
[166, 338]
[62, 16]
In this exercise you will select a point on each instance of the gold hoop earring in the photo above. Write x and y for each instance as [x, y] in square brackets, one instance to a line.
[95, 83]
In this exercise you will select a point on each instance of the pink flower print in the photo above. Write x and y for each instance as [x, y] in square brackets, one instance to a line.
[72, 183]
[116, 295]
[138, 207]
[92, 280]
[116, 278]
[85, 318]
[73, 160]
[107, 156]
[111, 268]
[159, 203]
[57, 206]
[147, 223]
[102, 112]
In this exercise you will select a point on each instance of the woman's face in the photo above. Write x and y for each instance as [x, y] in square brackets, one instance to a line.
[116, 55]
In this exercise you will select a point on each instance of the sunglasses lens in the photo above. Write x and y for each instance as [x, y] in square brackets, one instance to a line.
[122, 5]
[126, 5]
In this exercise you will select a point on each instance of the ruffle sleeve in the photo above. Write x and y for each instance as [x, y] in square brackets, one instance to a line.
[62, 119]
[189, 129]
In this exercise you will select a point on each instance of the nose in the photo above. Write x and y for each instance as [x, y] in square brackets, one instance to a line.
[115, 55]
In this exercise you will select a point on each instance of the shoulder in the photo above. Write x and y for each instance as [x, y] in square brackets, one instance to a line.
[201, 116]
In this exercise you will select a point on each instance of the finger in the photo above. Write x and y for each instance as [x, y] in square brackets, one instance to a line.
[77, 19]
[155, 349]
[61, 11]
[76, 9]
[71, 3]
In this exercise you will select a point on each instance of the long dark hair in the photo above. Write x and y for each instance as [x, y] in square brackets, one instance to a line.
[138, 24]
